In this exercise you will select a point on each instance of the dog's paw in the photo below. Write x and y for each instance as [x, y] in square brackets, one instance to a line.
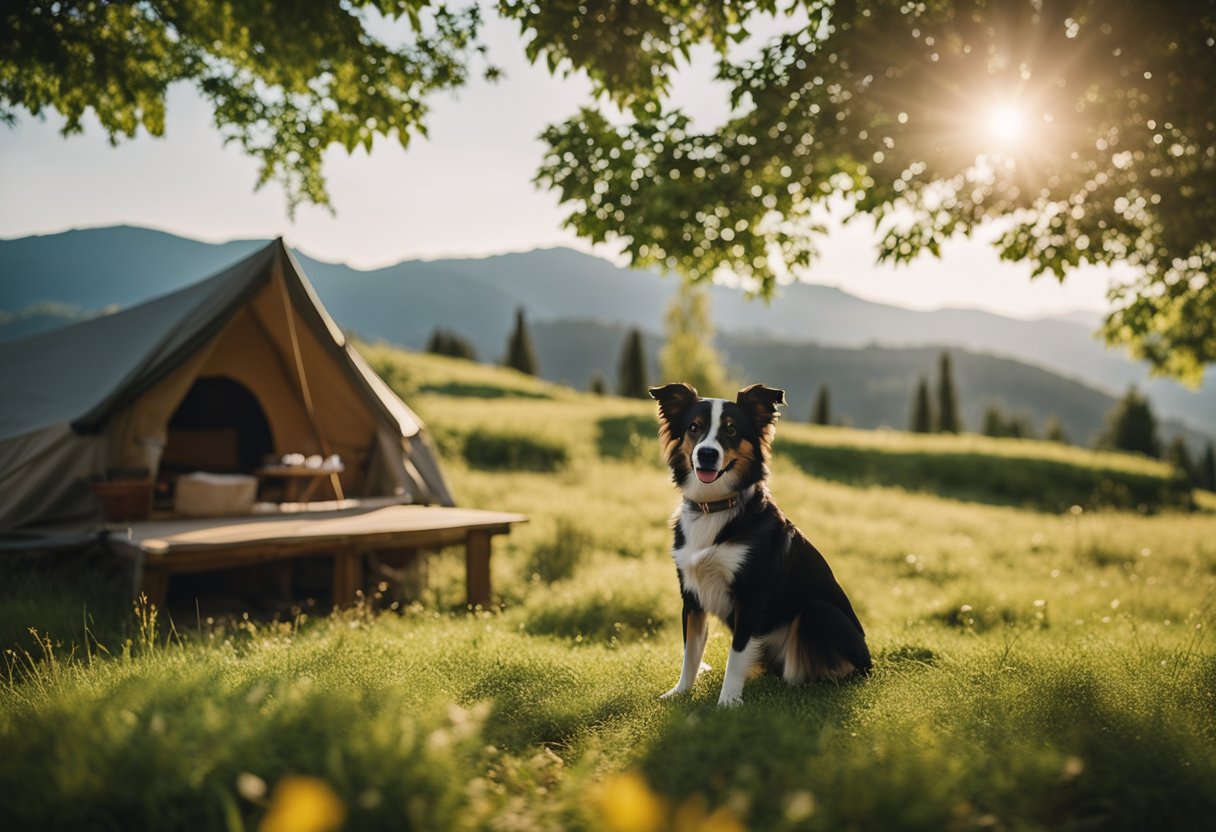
[676, 691]
[730, 701]
[704, 667]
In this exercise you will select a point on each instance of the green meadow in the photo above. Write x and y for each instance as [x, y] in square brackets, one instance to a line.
[1039, 617]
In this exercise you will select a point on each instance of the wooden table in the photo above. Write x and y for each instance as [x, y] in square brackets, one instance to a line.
[161, 548]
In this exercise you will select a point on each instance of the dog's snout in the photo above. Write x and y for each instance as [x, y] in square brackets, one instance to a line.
[707, 457]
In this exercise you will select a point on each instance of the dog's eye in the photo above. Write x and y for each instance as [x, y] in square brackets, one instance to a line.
[694, 428]
[730, 430]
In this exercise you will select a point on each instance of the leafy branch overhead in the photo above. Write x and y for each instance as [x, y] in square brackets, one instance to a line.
[908, 113]
[1086, 129]
[284, 80]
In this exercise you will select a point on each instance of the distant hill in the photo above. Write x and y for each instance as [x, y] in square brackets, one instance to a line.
[402, 303]
[871, 387]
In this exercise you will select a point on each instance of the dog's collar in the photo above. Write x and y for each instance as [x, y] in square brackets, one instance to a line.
[714, 506]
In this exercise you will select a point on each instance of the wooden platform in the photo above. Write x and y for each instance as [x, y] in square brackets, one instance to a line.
[162, 548]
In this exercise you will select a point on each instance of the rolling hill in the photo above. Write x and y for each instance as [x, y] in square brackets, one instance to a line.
[580, 305]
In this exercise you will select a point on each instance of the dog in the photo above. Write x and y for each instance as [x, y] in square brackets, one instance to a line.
[739, 558]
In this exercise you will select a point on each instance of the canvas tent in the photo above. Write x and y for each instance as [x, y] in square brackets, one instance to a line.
[215, 376]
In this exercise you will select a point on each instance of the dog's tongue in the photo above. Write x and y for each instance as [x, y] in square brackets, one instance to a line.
[705, 475]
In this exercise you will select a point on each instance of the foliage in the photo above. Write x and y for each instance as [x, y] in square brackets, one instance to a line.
[821, 412]
[284, 81]
[521, 354]
[1178, 454]
[597, 386]
[1207, 469]
[1131, 426]
[922, 409]
[496, 449]
[1015, 426]
[631, 375]
[1053, 431]
[948, 418]
[688, 353]
[902, 113]
[450, 343]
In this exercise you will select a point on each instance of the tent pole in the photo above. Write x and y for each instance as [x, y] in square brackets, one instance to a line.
[312, 415]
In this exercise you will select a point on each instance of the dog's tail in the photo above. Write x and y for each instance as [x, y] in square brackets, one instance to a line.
[830, 644]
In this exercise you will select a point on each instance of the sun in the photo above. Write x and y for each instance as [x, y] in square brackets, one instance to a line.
[1005, 123]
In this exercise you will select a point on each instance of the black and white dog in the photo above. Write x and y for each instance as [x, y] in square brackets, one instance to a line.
[737, 555]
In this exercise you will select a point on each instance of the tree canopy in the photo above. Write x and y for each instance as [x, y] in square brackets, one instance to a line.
[1085, 128]
[1081, 131]
[284, 80]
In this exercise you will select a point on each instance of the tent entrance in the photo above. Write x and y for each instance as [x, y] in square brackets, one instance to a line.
[218, 427]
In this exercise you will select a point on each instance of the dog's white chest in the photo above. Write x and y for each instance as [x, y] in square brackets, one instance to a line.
[708, 569]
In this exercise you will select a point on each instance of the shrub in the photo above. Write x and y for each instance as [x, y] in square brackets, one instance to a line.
[498, 450]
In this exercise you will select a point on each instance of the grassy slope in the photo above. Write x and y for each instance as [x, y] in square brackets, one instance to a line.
[1034, 670]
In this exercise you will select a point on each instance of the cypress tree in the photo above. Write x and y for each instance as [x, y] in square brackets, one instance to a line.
[631, 370]
[994, 422]
[1207, 469]
[948, 420]
[1053, 431]
[922, 410]
[1131, 426]
[1179, 456]
[437, 343]
[821, 413]
[520, 353]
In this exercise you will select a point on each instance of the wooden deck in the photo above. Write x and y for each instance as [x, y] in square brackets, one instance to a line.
[162, 548]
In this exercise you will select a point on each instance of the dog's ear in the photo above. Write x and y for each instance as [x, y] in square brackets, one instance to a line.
[761, 402]
[674, 400]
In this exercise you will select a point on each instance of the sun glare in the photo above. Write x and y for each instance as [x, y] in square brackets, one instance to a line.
[1006, 124]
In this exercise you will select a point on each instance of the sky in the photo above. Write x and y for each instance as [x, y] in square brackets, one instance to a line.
[465, 191]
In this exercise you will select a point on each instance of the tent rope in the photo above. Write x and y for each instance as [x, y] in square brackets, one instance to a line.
[303, 378]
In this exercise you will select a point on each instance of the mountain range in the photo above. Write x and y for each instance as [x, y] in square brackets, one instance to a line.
[580, 306]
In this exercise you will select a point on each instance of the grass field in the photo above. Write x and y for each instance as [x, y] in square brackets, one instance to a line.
[1040, 634]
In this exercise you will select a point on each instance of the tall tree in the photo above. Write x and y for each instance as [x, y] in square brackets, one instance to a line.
[1207, 468]
[922, 409]
[631, 375]
[520, 353]
[1131, 426]
[688, 354]
[821, 413]
[1179, 455]
[994, 422]
[948, 419]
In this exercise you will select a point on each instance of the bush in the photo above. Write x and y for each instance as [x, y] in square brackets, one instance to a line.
[494, 450]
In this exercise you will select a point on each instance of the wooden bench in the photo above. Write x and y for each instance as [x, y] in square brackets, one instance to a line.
[162, 548]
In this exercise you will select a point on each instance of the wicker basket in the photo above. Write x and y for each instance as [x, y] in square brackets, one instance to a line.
[123, 500]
